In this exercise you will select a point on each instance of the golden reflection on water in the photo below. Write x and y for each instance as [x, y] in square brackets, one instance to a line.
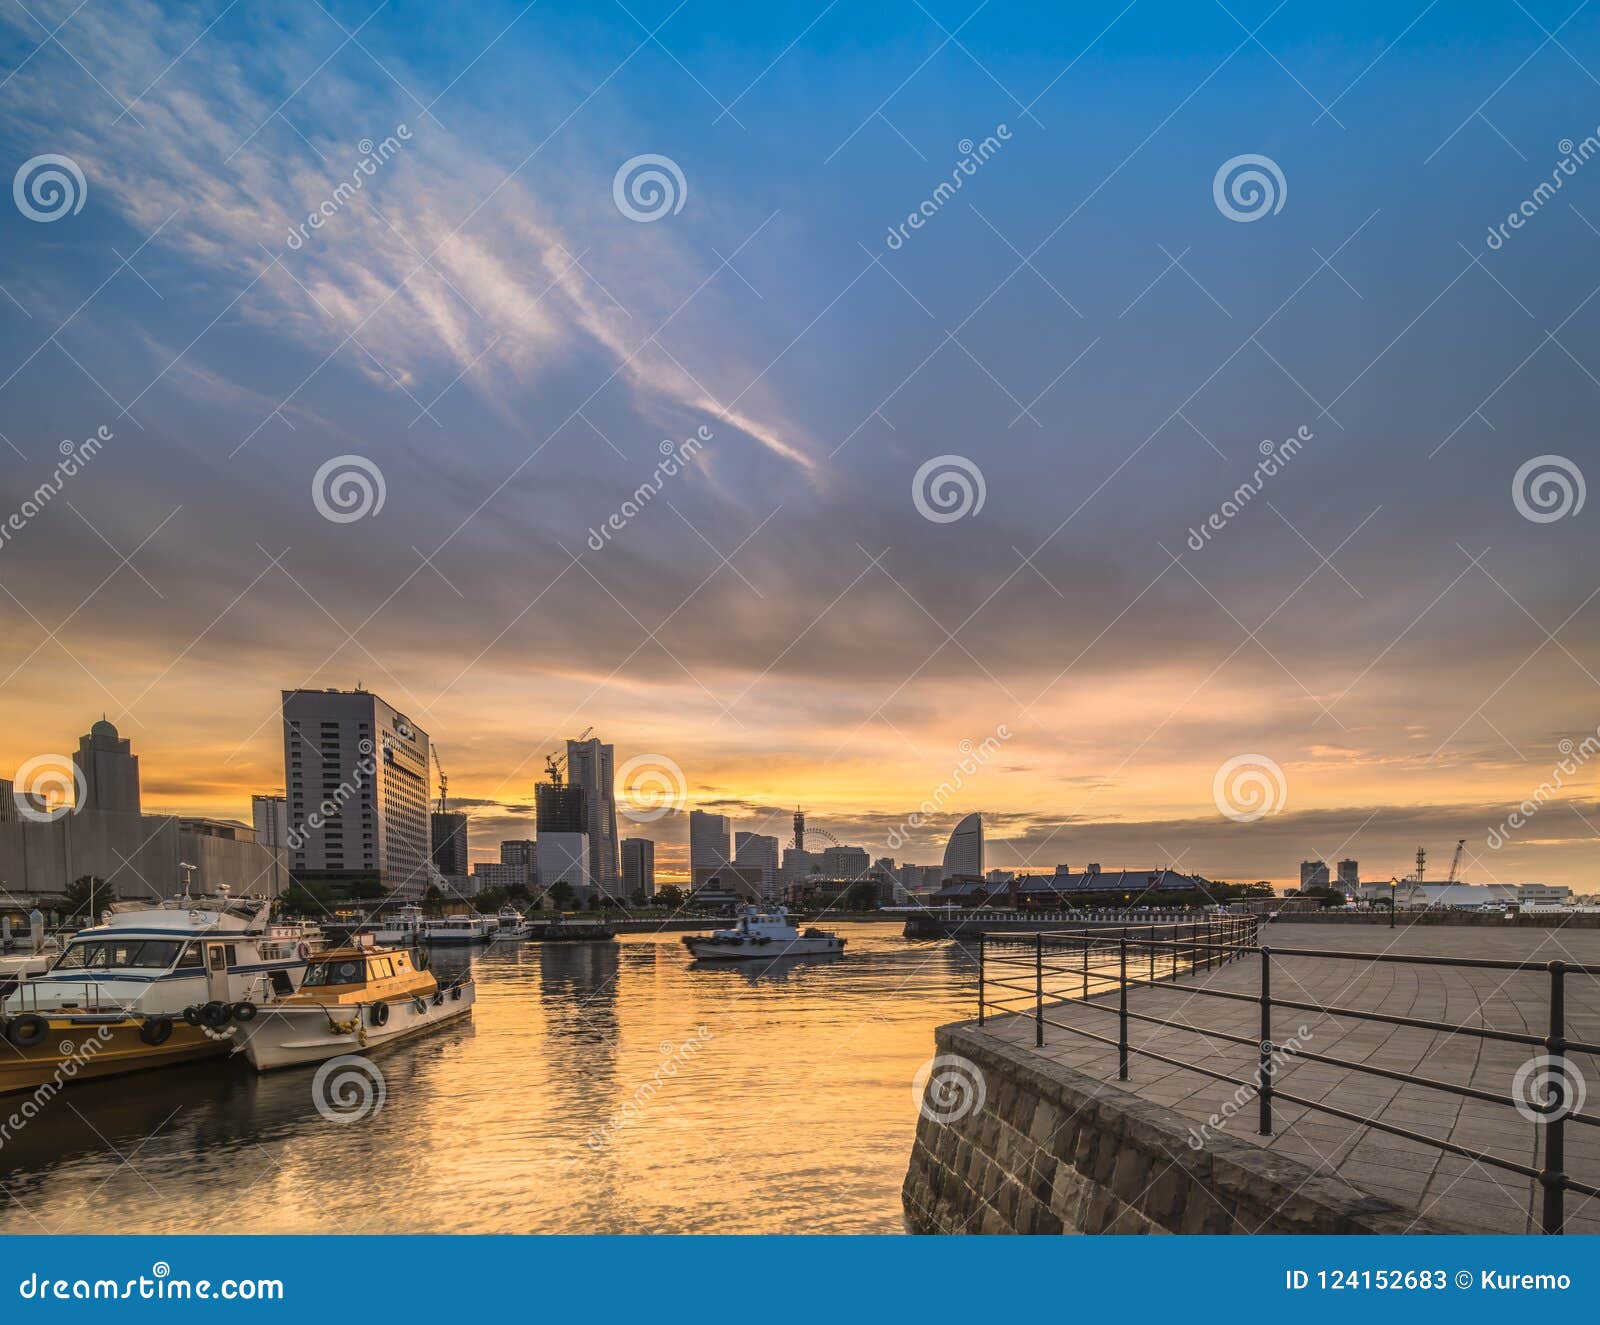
[791, 1111]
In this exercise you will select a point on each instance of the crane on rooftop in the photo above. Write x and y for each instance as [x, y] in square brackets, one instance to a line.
[555, 764]
[444, 782]
[1455, 864]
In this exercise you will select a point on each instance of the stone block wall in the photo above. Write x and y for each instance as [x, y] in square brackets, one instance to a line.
[1050, 1150]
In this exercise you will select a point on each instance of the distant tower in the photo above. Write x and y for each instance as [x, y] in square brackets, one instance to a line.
[799, 830]
[1422, 862]
[110, 771]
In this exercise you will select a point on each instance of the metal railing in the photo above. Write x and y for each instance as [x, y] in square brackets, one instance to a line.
[1080, 966]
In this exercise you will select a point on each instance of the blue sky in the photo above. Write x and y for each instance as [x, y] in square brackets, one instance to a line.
[1081, 323]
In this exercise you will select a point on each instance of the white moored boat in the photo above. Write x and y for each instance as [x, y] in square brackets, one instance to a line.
[512, 924]
[399, 928]
[150, 986]
[353, 999]
[458, 929]
[762, 932]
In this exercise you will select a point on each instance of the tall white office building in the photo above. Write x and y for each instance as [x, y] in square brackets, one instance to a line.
[356, 774]
[963, 853]
[708, 842]
[591, 765]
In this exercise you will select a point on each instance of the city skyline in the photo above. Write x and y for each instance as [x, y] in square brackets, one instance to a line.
[810, 498]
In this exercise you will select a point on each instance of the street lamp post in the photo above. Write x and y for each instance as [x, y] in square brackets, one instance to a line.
[1394, 885]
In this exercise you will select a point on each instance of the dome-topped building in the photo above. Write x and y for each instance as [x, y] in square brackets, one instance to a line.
[963, 854]
[109, 769]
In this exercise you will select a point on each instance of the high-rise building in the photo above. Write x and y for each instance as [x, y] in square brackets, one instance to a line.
[963, 854]
[270, 817]
[561, 852]
[638, 867]
[590, 765]
[356, 774]
[758, 851]
[520, 851]
[1313, 874]
[110, 771]
[1349, 874]
[708, 842]
[844, 862]
[450, 841]
[799, 830]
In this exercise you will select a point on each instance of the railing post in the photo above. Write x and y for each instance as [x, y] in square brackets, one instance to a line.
[980, 979]
[1038, 989]
[1086, 967]
[1264, 1125]
[1122, 1014]
[1152, 954]
[1551, 1178]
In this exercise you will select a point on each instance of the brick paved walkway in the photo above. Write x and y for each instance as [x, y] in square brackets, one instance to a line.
[1442, 1186]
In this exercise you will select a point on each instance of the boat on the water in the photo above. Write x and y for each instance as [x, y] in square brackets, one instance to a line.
[150, 986]
[511, 924]
[761, 932]
[399, 928]
[353, 999]
[458, 929]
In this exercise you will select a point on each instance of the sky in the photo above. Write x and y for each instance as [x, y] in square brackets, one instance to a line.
[912, 489]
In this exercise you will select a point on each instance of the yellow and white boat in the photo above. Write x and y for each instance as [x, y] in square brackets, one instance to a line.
[353, 999]
[152, 985]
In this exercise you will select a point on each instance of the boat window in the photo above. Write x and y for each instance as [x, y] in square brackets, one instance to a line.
[381, 968]
[340, 971]
[191, 958]
[118, 954]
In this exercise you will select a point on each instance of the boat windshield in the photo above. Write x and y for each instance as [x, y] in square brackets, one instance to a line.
[338, 971]
[118, 954]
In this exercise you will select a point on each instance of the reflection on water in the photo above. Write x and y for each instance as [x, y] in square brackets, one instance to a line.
[791, 1112]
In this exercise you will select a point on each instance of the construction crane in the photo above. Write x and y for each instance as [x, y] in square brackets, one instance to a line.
[444, 782]
[555, 764]
[1455, 864]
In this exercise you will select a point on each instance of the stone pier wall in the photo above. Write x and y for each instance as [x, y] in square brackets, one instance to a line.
[1012, 1143]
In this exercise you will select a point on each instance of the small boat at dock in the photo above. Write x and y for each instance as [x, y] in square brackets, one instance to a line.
[458, 929]
[511, 924]
[353, 999]
[762, 932]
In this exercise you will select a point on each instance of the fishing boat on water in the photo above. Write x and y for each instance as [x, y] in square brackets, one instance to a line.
[150, 986]
[353, 999]
[762, 932]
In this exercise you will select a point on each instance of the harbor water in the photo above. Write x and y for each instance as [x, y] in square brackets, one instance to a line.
[599, 1088]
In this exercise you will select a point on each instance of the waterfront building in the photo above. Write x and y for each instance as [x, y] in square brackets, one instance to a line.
[108, 838]
[270, 817]
[449, 834]
[591, 766]
[1050, 890]
[798, 865]
[1313, 874]
[561, 851]
[963, 854]
[708, 842]
[520, 852]
[723, 885]
[638, 867]
[496, 874]
[356, 773]
[1349, 875]
[840, 862]
[759, 851]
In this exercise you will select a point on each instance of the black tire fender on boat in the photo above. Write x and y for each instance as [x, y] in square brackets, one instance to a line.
[378, 1015]
[419, 1005]
[191, 1015]
[27, 1030]
[156, 1031]
[245, 1011]
[215, 1015]
[455, 993]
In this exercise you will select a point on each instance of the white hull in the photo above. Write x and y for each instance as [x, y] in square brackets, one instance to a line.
[290, 1036]
[705, 950]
